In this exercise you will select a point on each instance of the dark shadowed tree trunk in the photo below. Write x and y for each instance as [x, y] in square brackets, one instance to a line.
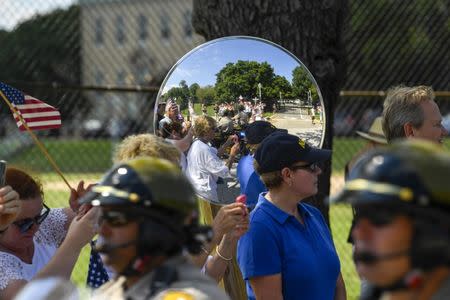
[311, 29]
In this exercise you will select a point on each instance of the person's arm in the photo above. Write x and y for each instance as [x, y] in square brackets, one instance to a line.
[267, 287]
[226, 250]
[340, 293]
[184, 144]
[230, 140]
[80, 232]
[226, 220]
[74, 206]
[12, 289]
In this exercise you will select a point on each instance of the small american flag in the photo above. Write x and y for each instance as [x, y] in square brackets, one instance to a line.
[37, 114]
[97, 274]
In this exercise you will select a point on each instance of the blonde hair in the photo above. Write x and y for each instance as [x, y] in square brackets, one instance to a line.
[270, 179]
[402, 105]
[146, 145]
[202, 125]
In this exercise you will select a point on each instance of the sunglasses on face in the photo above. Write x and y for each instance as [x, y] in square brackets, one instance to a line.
[377, 216]
[25, 224]
[312, 167]
[115, 218]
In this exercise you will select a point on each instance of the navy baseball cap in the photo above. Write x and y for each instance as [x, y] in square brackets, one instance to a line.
[257, 131]
[280, 150]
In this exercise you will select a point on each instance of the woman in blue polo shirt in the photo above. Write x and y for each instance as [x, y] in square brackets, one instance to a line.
[288, 253]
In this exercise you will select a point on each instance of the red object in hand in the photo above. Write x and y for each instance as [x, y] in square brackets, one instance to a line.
[241, 199]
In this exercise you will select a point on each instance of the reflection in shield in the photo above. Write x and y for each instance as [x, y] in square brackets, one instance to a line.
[236, 80]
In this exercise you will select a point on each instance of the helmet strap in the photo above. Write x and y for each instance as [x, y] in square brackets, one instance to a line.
[411, 281]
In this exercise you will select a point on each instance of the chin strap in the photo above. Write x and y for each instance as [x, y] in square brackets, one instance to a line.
[136, 266]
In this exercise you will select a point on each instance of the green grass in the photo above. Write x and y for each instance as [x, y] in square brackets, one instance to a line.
[198, 110]
[340, 220]
[83, 156]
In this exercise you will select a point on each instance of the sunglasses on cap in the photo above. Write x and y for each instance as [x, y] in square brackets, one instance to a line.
[377, 216]
[312, 167]
[25, 224]
[116, 218]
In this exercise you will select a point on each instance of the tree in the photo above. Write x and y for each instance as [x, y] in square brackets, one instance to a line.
[46, 49]
[243, 77]
[206, 94]
[193, 88]
[302, 85]
[312, 30]
[181, 94]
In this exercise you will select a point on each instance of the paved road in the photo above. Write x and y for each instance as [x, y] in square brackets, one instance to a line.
[299, 125]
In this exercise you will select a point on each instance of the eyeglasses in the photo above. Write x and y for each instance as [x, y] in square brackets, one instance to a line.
[377, 216]
[115, 218]
[25, 224]
[312, 167]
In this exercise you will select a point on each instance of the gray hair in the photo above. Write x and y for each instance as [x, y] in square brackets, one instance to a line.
[402, 105]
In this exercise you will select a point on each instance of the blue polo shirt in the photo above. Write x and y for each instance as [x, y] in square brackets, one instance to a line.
[249, 181]
[304, 255]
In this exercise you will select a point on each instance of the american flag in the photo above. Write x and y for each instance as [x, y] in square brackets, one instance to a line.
[37, 114]
[97, 274]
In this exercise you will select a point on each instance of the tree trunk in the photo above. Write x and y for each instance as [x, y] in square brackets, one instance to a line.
[312, 30]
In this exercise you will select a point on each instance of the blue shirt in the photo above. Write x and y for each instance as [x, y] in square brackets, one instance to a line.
[249, 181]
[304, 255]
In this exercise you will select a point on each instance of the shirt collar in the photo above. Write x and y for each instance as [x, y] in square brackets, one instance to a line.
[279, 215]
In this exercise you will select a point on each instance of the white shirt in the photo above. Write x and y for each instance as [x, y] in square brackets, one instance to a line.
[204, 168]
[46, 240]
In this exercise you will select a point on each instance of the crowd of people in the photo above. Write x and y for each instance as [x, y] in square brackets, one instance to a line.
[163, 233]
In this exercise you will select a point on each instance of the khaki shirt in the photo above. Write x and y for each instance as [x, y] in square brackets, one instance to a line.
[191, 284]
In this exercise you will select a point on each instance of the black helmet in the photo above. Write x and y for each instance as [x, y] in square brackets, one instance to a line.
[411, 175]
[156, 191]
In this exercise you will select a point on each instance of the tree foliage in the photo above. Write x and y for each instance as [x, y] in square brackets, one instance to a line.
[45, 49]
[242, 79]
[206, 94]
[302, 85]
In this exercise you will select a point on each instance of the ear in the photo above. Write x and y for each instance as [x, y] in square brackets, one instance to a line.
[286, 173]
[408, 129]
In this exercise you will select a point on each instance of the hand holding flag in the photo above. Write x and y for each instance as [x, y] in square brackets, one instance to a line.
[32, 114]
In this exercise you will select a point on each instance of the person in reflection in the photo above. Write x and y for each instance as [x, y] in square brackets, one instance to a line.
[204, 163]
[249, 181]
[288, 252]
[402, 230]
[410, 112]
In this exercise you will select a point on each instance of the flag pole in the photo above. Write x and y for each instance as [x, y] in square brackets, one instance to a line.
[36, 140]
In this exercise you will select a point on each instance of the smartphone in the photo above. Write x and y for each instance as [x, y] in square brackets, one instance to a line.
[2, 172]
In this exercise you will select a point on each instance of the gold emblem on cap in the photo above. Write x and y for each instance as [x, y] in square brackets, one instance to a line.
[301, 143]
[178, 295]
[133, 197]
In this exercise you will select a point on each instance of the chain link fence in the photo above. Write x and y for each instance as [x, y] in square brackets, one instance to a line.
[101, 63]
